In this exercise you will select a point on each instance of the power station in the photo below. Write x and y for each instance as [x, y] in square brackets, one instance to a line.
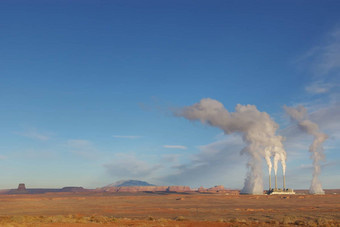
[279, 191]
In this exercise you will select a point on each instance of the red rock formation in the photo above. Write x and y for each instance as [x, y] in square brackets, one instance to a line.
[178, 189]
[216, 188]
[201, 189]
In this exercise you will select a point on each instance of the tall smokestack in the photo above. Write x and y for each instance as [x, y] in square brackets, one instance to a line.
[275, 181]
[270, 182]
[284, 181]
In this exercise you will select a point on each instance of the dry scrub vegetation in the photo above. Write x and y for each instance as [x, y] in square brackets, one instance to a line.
[79, 220]
[150, 209]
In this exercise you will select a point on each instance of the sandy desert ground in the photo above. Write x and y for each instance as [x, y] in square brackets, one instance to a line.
[168, 209]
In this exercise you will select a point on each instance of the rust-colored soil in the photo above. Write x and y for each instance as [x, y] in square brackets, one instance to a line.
[161, 209]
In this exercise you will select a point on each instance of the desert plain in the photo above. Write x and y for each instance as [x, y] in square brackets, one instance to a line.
[169, 209]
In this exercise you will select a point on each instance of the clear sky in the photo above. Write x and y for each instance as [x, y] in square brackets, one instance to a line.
[87, 88]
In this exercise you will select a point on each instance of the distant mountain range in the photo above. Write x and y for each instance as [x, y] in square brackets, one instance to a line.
[123, 183]
[134, 186]
[123, 186]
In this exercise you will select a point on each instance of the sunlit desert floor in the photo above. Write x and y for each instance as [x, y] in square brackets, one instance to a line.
[162, 209]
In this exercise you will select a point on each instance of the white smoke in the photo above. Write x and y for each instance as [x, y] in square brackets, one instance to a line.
[267, 156]
[299, 115]
[258, 131]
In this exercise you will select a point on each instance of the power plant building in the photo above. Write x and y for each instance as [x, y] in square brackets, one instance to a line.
[279, 191]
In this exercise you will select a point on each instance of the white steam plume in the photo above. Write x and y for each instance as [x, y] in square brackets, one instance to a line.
[279, 155]
[299, 115]
[267, 156]
[257, 130]
[276, 160]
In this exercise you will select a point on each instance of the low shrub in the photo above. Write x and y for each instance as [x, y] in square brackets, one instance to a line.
[180, 218]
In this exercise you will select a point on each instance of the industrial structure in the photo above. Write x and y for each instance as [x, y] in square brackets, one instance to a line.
[279, 191]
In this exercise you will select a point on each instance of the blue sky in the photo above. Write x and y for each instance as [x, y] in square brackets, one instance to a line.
[87, 88]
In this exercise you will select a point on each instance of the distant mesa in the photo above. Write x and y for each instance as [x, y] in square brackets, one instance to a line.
[132, 186]
[22, 188]
[142, 186]
[178, 189]
[124, 183]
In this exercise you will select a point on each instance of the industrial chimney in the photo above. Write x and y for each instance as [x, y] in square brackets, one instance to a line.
[275, 181]
[284, 182]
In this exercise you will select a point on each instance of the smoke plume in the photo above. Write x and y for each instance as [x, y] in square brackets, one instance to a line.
[299, 115]
[258, 131]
